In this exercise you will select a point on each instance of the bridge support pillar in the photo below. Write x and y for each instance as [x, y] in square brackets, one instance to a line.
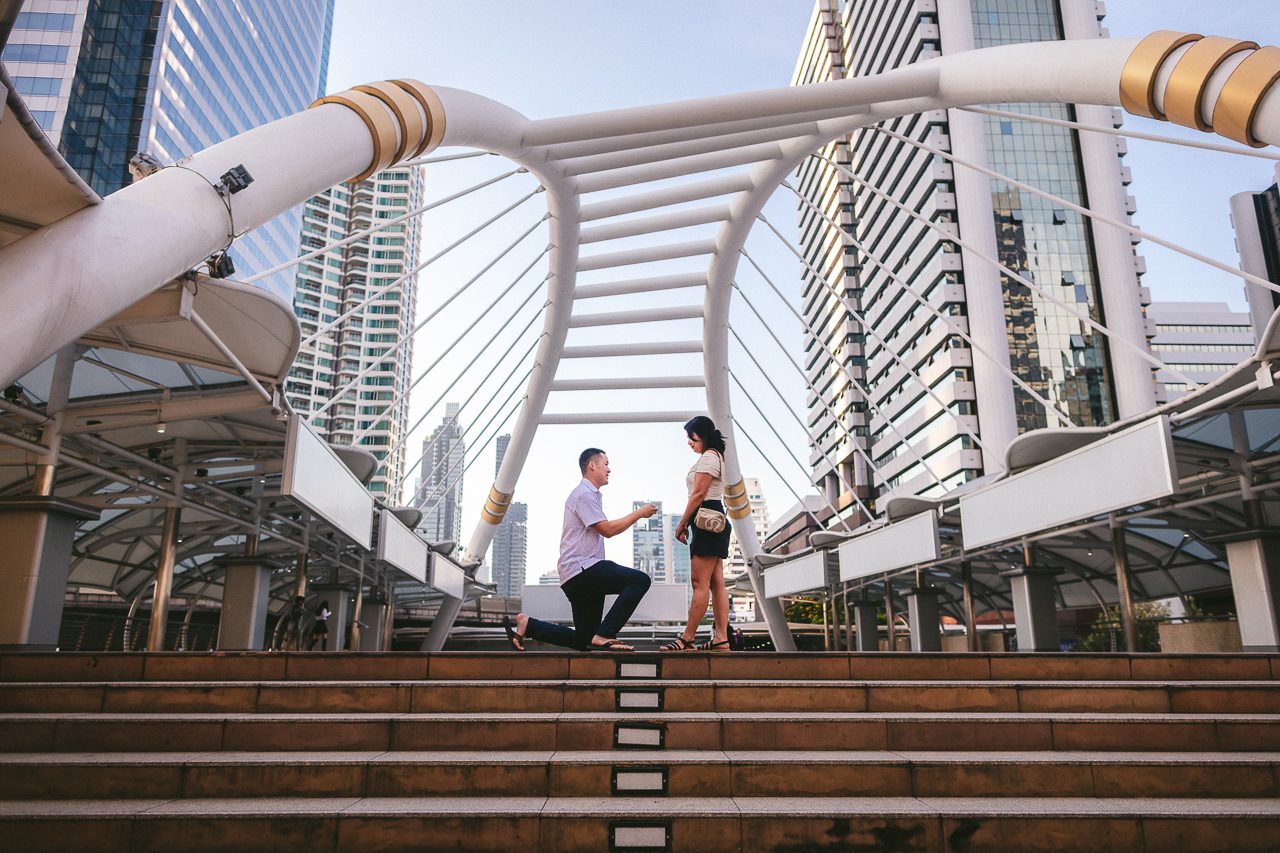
[922, 613]
[37, 533]
[1034, 609]
[1254, 564]
[442, 624]
[373, 613]
[246, 589]
[867, 631]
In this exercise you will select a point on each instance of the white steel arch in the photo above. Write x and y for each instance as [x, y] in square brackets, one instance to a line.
[762, 135]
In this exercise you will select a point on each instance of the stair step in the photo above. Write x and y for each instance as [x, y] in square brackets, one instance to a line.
[708, 825]
[675, 773]
[411, 666]
[585, 695]
[720, 730]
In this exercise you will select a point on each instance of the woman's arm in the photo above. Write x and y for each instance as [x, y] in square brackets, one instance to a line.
[701, 485]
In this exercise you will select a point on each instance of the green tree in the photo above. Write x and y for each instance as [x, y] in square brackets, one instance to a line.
[804, 610]
[1107, 635]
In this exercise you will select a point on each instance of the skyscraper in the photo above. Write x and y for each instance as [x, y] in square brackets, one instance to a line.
[439, 492]
[364, 359]
[868, 404]
[1256, 219]
[510, 549]
[649, 543]
[107, 79]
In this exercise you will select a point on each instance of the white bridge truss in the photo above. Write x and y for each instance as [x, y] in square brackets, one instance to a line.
[707, 162]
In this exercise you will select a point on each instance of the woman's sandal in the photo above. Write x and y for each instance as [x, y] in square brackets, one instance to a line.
[709, 646]
[679, 644]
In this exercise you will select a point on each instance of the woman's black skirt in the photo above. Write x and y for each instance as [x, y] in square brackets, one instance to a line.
[704, 544]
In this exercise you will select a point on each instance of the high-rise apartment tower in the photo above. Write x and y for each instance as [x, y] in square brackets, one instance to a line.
[439, 492]
[920, 292]
[360, 349]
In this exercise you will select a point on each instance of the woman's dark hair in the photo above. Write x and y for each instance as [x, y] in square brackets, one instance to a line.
[324, 605]
[702, 427]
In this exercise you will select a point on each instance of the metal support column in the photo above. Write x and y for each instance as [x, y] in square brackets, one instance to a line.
[888, 614]
[442, 624]
[1128, 619]
[922, 612]
[970, 617]
[164, 578]
[1035, 611]
[1253, 558]
[868, 633]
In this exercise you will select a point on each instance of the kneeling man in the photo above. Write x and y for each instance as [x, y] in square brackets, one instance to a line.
[586, 577]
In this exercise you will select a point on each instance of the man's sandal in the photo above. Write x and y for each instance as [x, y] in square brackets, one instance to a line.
[709, 646]
[514, 637]
[679, 644]
[612, 644]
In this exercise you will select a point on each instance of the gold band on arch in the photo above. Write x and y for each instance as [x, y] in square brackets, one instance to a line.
[405, 119]
[1233, 113]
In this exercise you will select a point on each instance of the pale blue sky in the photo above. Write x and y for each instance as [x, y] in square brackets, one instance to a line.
[550, 58]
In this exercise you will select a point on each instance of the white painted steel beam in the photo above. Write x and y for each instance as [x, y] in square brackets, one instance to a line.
[912, 82]
[655, 224]
[649, 254]
[620, 350]
[628, 383]
[617, 418]
[678, 167]
[666, 197]
[566, 151]
[640, 285]
[636, 155]
[643, 315]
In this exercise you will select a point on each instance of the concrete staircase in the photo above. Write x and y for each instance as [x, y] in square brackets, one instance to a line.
[688, 751]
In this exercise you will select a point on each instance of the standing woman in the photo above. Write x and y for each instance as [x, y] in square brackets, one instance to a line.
[706, 529]
[320, 631]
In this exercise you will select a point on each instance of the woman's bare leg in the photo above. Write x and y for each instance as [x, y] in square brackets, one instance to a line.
[719, 603]
[701, 569]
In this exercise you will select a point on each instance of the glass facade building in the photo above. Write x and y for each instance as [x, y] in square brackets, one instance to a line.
[650, 541]
[110, 78]
[899, 392]
[1055, 353]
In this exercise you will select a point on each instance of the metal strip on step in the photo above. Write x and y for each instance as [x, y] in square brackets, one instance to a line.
[640, 835]
[639, 781]
[638, 700]
[634, 667]
[639, 735]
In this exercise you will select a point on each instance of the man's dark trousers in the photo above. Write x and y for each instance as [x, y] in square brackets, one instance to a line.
[586, 592]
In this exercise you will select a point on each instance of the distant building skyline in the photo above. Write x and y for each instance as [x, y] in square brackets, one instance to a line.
[650, 543]
[509, 552]
[1201, 340]
[439, 492]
